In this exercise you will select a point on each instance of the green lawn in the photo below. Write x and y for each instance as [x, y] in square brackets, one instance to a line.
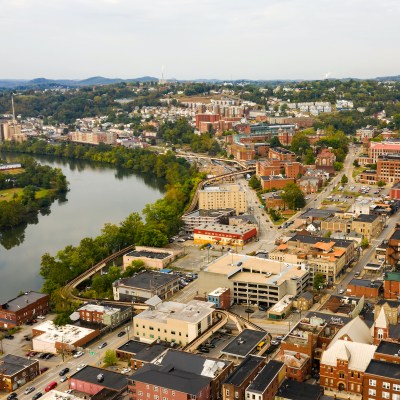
[12, 171]
[8, 194]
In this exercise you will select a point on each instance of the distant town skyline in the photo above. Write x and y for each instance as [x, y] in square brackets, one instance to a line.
[187, 39]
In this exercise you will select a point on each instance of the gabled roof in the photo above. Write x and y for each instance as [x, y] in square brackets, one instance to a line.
[356, 331]
[358, 355]
[381, 321]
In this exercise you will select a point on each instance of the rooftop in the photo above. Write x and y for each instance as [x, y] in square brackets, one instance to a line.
[244, 343]
[366, 218]
[112, 380]
[366, 283]
[170, 378]
[222, 188]
[282, 304]
[99, 308]
[244, 369]
[315, 239]
[264, 378]
[11, 364]
[192, 312]
[147, 280]
[243, 268]
[22, 301]
[218, 291]
[148, 254]
[238, 229]
[68, 334]
[317, 213]
[133, 346]
[293, 390]
[389, 348]
[384, 369]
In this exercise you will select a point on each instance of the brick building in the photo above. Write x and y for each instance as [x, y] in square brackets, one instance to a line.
[106, 315]
[206, 117]
[377, 149]
[393, 248]
[275, 182]
[237, 382]
[281, 154]
[391, 285]
[325, 160]
[221, 297]
[388, 168]
[395, 191]
[16, 371]
[23, 308]
[388, 351]
[364, 287]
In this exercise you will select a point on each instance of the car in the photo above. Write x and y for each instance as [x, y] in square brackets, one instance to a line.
[12, 396]
[274, 343]
[9, 337]
[37, 395]
[48, 356]
[125, 370]
[29, 389]
[69, 391]
[63, 379]
[204, 349]
[102, 345]
[43, 369]
[357, 274]
[181, 240]
[42, 355]
[50, 386]
[262, 308]
[341, 291]
[122, 333]
[80, 366]
[64, 371]
[79, 354]
[280, 338]
[41, 317]
[209, 345]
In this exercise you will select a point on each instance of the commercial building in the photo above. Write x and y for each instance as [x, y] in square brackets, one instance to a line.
[145, 285]
[388, 168]
[281, 309]
[252, 279]
[364, 287]
[393, 248]
[23, 308]
[275, 182]
[201, 217]
[391, 285]
[16, 371]
[221, 298]
[226, 235]
[281, 154]
[106, 315]
[266, 384]
[223, 197]
[293, 390]
[153, 257]
[369, 226]
[377, 149]
[50, 338]
[92, 381]
[237, 382]
[388, 351]
[174, 322]
[395, 191]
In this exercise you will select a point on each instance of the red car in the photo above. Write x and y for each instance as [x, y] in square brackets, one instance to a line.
[43, 369]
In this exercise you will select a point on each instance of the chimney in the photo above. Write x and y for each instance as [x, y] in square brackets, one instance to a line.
[298, 356]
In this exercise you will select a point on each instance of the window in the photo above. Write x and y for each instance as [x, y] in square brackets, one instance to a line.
[341, 374]
[155, 397]
[155, 388]
[396, 388]
[372, 392]
[386, 385]
[140, 393]
[227, 393]
[385, 395]
[372, 382]
[395, 396]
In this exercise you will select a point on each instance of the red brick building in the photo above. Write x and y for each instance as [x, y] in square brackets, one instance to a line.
[325, 160]
[393, 248]
[395, 191]
[281, 154]
[364, 287]
[23, 308]
[391, 285]
[388, 168]
[275, 182]
[221, 297]
[381, 381]
[207, 117]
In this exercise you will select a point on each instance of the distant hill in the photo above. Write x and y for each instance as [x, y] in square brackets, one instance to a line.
[43, 83]
[389, 78]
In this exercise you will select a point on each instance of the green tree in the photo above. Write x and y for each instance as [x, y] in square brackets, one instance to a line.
[364, 243]
[275, 142]
[319, 281]
[344, 179]
[293, 196]
[110, 357]
[338, 166]
[300, 143]
[381, 183]
[309, 158]
[356, 163]
[254, 183]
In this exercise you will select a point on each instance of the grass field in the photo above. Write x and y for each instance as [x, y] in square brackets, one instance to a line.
[15, 171]
[8, 194]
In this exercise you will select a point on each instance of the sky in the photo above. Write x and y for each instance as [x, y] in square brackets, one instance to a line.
[192, 39]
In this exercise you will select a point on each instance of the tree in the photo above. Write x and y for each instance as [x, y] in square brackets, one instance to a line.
[356, 163]
[338, 166]
[381, 183]
[110, 357]
[300, 143]
[364, 243]
[309, 158]
[254, 183]
[293, 196]
[344, 179]
[319, 281]
[275, 142]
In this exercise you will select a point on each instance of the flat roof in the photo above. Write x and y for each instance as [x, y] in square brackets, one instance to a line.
[148, 254]
[264, 378]
[245, 368]
[218, 291]
[366, 218]
[68, 334]
[238, 229]
[244, 268]
[282, 304]
[112, 380]
[22, 301]
[384, 369]
[133, 346]
[366, 283]
[99, 308]
[11, 364]
[147, 280]
[395, 234]
[222, 188]
[294, 390]
[389, 348]
[192, 312]
[244, 343]
[58, 395]
[315, 239]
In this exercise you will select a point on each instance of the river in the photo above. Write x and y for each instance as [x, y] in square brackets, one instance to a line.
[98, 194]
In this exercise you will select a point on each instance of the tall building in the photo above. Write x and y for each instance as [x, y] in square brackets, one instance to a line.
[223, 197]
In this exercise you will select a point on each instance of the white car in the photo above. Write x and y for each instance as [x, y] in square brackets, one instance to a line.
[79, 354]
[69, 391]
[41, 317]
[125, 370]
[80, 366]
[63, 379]
[29, 389]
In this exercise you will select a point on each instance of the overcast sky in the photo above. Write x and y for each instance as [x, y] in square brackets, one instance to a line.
[226, 39]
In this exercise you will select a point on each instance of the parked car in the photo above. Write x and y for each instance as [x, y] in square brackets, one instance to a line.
[125, 370]
[29, 389]
[43, 369]
[48, 356]
[69, 391]
[63, 379]
[122, 333]
[41, 317]
[279, 338]
[37, 395]
[274, 343]
[341, 291]
[210, 345]
[64, 371]
[102, 345]
[262, 308]
[204, 349]
[357, 274]
[79, 354]
[50, 386]
[10, 337]
[80, 366]
[12, 396]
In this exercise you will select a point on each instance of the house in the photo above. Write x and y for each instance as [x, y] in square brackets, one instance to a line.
[25, 307]
[16, 371]
[304, 301]
[105, 315]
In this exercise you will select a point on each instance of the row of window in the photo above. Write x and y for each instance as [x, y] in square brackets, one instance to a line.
[385, 385]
